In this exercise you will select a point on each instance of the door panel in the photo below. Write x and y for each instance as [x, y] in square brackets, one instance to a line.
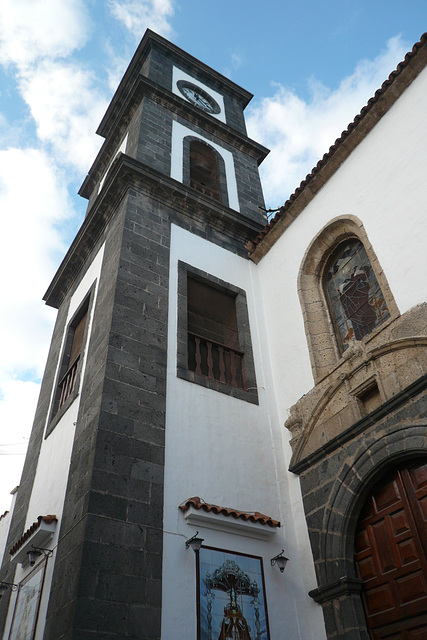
[391, 545]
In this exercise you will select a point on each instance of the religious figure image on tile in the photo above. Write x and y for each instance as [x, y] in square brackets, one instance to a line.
[232, 597]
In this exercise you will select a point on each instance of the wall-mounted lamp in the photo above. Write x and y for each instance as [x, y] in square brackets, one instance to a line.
[195, 543]
[36, 552]
[280, 560]
[4, 586]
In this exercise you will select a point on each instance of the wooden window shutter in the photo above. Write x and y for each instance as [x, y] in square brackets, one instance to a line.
[76, 346]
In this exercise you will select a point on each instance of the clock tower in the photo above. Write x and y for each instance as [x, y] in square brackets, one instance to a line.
[174, 189]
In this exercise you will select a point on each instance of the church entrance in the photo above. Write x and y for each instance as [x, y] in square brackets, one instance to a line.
[391, 555]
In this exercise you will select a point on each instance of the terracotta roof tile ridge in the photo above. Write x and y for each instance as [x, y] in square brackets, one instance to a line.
[253, 516]
[3, 515]
[364, 111]
[29, 532]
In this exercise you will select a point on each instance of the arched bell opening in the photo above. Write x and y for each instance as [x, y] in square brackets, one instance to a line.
[204, 170]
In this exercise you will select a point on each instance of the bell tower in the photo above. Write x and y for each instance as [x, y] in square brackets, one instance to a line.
[176, 163]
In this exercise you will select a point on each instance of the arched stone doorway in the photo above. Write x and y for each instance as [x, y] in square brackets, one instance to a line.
[391, 555]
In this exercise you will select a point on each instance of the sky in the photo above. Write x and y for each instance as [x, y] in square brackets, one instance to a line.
[311, 67]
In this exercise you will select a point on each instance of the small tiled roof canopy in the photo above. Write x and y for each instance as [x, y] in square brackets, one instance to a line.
[29, 532]
[365, 114]
[253, 516]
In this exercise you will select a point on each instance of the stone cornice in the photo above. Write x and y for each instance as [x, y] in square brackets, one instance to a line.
[185, 204]
[342, 587]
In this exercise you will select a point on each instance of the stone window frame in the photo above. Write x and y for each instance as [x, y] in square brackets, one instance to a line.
[55, 414]
[221, 166]
[250, 394]
[323, 344]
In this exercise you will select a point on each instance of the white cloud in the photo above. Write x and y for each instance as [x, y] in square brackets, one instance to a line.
[33, 200]
[299, 132]
[138, 15]
[61, 96]
[32, 29]
[67, 108]
[117, 65]
[236, 61]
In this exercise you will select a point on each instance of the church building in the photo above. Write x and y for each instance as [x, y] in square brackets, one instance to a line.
[230, 439]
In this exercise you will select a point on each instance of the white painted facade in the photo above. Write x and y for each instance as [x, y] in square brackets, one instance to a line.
[235, 454]
[121, 149]
[382, 183]
[50, 483]
[230, 455]
[5, 521]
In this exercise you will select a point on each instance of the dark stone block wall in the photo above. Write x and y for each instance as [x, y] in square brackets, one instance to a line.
[155, 136]
[334, 490]
[159, 69]
[108, 568]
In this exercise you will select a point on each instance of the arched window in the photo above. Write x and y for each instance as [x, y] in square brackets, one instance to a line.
[343, 291]
[355, 300]
[204, 170]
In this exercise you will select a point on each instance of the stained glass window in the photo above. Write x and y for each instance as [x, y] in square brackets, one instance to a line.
[355, 300]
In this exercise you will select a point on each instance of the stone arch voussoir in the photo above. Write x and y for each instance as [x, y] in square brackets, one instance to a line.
[374, 457]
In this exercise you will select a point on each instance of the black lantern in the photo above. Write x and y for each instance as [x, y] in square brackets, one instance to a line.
[280, 560]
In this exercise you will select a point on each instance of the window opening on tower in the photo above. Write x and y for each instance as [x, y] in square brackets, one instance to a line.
[204, 170]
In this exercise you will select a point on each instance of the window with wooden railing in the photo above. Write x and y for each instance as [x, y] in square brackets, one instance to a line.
[213, 337]
[67, 383]
[71, 359]
[216, 361]
[214, 347]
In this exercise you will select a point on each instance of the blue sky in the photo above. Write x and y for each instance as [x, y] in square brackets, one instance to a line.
[311, 67]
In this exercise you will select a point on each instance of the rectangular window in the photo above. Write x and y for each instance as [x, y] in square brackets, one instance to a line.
[71, 360]
[213, 336]
[214, 345]
[68, 381]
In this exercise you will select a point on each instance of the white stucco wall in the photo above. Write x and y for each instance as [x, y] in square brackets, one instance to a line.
[230, 454]
[121, 149]
[383, 183]
[235, 454]
[51, 477]
[5, 520]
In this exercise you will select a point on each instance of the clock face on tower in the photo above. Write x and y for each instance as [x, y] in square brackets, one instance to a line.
[199, 97]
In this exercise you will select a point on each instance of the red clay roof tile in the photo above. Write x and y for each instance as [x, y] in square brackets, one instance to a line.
[254, 516]
[29, 532]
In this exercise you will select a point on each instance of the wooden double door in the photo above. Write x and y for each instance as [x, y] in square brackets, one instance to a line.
[391, 555]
